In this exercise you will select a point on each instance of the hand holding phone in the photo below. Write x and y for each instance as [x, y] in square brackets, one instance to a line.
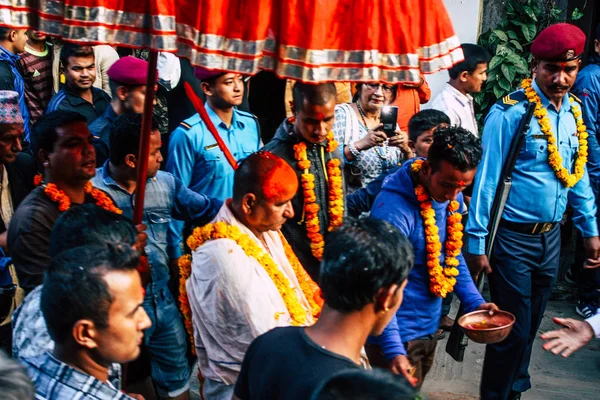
[389, 117]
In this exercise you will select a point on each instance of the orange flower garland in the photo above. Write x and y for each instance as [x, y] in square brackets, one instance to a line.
[441, 279]
[64, 202]
[335, 195]
[185, 270]
[221, 230]
[311, 290]
[554, 159]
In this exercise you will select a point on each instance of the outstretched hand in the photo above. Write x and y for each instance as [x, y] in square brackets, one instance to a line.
[574, 335]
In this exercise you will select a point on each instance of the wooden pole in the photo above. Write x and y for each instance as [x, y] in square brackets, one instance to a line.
[144, 151]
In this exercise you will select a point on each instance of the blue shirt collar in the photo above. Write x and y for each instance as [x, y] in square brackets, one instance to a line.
[564, 107]
[5, 54]
[109, 181]
[218, 123]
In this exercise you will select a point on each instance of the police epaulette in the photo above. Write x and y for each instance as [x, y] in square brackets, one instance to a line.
[185, 125]
[577, 99]
[247, 114]
[511, 99]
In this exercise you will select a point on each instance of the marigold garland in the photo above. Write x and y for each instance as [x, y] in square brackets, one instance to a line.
[64, 202]
[335, 195]
[221, 230]
[441, 279]
[311, 290]
[554, 159]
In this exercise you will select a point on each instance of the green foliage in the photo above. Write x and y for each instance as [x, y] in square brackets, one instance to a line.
[509, 44]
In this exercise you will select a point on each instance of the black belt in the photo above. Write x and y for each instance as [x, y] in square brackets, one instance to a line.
[530, 229]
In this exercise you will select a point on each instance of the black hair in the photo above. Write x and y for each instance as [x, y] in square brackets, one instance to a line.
[597, 32]
[474, 55]
[316, 94]
[88, 224]
[74, 50]
[360, 258]
[455, 145]
[359, 384]
[43, 132]
[425, 120]
[125, 136]
[4, 31]
[75, 289]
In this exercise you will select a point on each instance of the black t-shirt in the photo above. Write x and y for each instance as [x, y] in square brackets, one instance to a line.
[285, 363]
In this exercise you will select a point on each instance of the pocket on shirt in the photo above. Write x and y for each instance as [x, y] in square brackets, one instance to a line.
[159, 226]
[247, 149]
[534, 156]
[215, 162]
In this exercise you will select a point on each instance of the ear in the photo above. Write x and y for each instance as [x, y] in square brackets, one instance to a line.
[463, 76]
[12, 35]
[534, 65]
[122, 92]
[426, 169]
[411, 144]
[130, 160]
[386, 299]
[248, 203]
[84, 333]
[206, 88]
[43, 157]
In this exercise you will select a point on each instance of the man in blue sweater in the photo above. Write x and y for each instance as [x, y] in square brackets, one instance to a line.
[450, 166]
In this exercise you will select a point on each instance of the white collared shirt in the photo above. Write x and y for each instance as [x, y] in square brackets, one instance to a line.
[458, 107]
[233, 300]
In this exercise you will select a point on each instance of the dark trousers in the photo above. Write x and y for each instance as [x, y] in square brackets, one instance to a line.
[420, 353]
[588, 280]
[524, 269]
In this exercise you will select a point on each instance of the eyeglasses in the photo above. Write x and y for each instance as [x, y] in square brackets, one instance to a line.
[385, 88]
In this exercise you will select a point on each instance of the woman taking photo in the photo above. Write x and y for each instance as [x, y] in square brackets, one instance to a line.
[367, 149]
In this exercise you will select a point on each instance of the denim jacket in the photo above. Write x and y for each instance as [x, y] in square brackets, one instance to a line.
[166, 198]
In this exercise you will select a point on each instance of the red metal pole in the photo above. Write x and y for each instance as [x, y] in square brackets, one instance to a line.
[144, 151]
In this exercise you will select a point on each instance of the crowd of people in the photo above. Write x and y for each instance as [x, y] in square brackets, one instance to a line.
[316, 261]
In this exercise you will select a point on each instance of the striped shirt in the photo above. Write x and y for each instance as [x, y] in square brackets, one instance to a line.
[55, 380]
[36, 69]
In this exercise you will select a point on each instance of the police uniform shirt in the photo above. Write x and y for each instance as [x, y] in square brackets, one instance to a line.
[537, 196]
[196, 159]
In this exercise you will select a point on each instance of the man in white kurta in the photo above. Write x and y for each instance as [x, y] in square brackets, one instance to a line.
[232, 298]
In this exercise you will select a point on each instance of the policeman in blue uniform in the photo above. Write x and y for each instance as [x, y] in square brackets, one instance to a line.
[195, 156]
[524, 264]
[587, 88]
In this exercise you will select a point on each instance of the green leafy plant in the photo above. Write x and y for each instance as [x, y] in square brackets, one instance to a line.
[509, 44]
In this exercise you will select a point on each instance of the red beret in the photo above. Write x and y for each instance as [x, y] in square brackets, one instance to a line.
[204, 74]
[129, 71]
[559, 42]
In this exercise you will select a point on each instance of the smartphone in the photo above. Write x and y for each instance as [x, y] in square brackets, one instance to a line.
[389, 118]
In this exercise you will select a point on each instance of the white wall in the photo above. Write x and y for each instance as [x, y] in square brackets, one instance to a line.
[465, 16]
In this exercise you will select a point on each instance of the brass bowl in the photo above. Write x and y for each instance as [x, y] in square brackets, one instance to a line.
[481, 327]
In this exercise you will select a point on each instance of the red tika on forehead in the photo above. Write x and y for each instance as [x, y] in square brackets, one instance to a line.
[279, 181]
[320, 116]
[461, 183]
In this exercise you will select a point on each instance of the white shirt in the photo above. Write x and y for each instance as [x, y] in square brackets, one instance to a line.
[595, 323]
[458, 107]
[233, 300]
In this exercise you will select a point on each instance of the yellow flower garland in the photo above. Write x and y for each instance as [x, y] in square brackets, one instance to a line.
[335, 195]
[221, 230]
[441, 279]
[554, 159]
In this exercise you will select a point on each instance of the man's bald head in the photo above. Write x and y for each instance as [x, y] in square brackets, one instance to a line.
[266, 176]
